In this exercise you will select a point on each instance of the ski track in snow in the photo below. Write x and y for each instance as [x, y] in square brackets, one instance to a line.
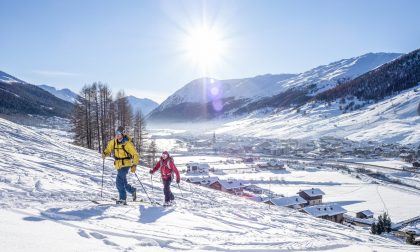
[46, 185]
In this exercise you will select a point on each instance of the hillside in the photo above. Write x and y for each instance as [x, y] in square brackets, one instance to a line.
[393, 120]
[48, 196]
[20, 98]
[391, 78]
[208, 98]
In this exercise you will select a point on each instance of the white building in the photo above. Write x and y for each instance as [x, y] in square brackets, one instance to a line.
[329, 212]
[295, 202]
[197, 168]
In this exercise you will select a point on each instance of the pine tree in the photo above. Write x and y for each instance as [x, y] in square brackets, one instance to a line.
[387, 222]
[151, 157]
[380, 225]
[374, 228]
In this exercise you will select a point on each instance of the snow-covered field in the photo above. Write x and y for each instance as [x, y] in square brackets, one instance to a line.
[352, 193]
[46, 184]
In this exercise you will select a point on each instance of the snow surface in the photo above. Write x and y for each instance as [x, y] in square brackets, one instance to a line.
[393, 120]
[354, 194]
[45, 187]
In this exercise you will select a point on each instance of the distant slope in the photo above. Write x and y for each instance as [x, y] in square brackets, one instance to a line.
[18, 97]
[48, 196]
[7, 78]
[393, 77]
[64, 94]
[145, 105]
[392, 120]
[208, 98]
[303, 87]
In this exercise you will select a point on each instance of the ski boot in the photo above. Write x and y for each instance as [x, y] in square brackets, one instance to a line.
[121, 202]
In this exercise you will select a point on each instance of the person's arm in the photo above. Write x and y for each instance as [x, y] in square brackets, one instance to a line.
[173, 167]
[108, 149]
[157, 166]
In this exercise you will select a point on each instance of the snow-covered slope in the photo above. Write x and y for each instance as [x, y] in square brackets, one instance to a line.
[207, 89]
[64, 94]
[145, 105]
[393, 120]
[7, 78]
[221, 98]
[46, 184]
[326, 77]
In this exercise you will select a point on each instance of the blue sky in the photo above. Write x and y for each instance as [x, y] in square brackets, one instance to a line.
[140, 46]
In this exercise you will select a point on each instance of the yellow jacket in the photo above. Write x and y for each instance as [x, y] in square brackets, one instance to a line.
[125, 153]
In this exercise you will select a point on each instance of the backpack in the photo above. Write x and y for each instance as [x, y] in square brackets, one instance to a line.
[126, 152]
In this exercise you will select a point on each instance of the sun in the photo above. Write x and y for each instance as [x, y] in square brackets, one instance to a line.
[205, 47]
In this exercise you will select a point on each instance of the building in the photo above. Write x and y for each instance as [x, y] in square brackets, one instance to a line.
[295, 202]
[230, 186]
[366, 214]
[204, 181]
[198, 167]
[361, 222]
[328, 212]
[312, 196]
[255, 189]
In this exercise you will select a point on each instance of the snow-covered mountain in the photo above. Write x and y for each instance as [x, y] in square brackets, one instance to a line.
[392, 120]
[145, 105]
[7, 78]
[326, 77]
[64, 94]
[208, 98]
[204, 98]
[19, 97]
[45, 206]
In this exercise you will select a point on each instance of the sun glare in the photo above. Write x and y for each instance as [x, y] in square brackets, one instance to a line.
[205, 47]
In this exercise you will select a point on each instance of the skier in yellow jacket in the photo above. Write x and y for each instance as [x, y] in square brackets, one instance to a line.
[126, 157]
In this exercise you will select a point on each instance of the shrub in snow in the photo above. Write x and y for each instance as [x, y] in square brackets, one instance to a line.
[383, 224]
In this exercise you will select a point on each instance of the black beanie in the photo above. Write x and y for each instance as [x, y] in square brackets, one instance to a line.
[121, 129]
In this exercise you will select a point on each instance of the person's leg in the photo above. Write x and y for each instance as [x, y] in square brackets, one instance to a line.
[130, 189]
[121, 182]
[166, 190]
[171, 195]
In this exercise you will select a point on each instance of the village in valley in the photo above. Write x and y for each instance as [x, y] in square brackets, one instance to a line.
[338, 180]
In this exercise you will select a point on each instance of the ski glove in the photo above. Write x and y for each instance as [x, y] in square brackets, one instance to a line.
[151, 171]
[103, 156]
[178, 180]
[133, 169]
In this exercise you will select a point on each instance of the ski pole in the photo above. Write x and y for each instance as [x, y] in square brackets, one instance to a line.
[151, 180]
[103, 169]
[180, 190]
[143, 188]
